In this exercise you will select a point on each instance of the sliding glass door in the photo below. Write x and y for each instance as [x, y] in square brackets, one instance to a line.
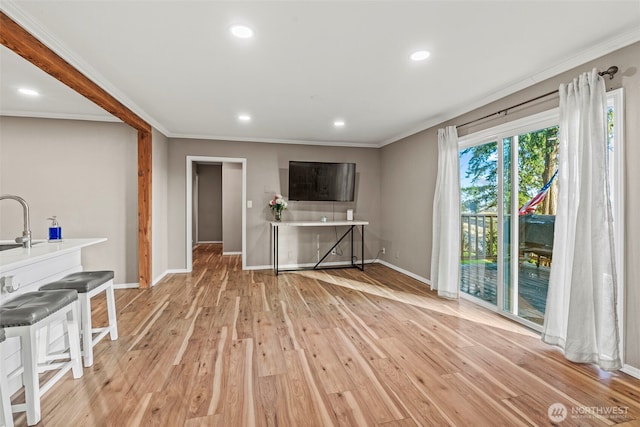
[509, 191]
[508, 198]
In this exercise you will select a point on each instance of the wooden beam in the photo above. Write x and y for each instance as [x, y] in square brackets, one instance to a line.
[144, 208]
[16, 38]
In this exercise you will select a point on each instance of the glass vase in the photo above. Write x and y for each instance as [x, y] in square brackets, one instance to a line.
[278, 215]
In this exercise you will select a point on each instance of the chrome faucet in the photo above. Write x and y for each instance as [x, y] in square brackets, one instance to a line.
[26, 233]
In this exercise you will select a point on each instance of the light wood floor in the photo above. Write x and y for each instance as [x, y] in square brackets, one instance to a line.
[226, 347]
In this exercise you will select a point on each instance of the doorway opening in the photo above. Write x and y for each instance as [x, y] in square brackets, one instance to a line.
[236, 166]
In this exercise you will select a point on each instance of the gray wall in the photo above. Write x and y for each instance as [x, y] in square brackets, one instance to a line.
[267, 166]
[83, 172]
[409, 168]
[232, 207]
[209, 203]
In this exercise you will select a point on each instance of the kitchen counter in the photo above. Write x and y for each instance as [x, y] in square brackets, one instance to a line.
[41, 250]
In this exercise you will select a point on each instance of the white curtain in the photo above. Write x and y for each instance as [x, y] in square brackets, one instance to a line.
[445, 252]
[580, 314]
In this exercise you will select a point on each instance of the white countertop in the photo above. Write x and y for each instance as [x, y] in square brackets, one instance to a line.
[316, 223]
[18, 257]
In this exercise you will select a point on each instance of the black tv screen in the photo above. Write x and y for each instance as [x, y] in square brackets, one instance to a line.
[326, 182]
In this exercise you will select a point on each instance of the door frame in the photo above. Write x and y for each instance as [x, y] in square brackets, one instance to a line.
[189, 204]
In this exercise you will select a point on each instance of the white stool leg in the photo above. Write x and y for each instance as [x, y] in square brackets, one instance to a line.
[6, 415]
[43, 339]
[111, 312]
[85, 324]
[74, 341]
[30, 377]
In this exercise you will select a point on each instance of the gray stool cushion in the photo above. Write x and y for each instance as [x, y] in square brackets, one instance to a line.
[3, 337]
[32, 307]
[82, 281]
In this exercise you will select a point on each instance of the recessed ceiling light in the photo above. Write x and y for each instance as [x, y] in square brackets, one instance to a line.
[28, 92]
[420, 55]
[242, 31]
[244, 117]
[339, 123]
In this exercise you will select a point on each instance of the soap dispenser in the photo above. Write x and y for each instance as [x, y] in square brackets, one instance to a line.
[55, 231]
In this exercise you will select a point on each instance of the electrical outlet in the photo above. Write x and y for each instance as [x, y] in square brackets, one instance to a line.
[384, 251]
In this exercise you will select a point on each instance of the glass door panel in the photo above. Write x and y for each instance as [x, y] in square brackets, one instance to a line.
[537, 154]
[479, 221]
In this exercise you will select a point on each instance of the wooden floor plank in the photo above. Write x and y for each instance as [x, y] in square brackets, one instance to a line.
[225, 347]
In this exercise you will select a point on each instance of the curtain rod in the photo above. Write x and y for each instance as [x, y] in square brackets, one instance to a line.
[611, 71]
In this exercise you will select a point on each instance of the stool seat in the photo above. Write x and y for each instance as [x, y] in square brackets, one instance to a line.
[82, 281]
[30, 308]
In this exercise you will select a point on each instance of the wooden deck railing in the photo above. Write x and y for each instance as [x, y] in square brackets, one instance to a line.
[479, 235]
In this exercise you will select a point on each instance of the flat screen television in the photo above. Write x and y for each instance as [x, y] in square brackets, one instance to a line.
[325, 182]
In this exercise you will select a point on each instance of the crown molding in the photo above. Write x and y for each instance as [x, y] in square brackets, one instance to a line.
[62, 116]
[274, 140]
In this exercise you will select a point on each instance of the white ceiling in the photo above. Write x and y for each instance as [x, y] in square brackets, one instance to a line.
[309, 63]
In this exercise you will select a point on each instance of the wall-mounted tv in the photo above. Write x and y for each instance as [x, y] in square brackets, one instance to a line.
[326, 182]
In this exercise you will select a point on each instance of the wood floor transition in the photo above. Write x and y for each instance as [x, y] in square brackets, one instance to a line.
[226, 347]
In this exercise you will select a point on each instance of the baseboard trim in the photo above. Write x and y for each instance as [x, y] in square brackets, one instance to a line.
[126, 286]
[258, 267]
[231, 253]
[305, 265]
[405, 272]
[631, 370]
[208, 241]
[170, 271]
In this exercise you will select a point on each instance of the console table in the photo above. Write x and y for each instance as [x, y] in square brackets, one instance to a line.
[276, 225]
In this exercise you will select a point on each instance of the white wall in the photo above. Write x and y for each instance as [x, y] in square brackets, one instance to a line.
[83, 172]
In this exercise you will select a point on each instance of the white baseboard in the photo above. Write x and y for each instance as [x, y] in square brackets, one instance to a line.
[170, 271]
[209, 241]
[405, 272]
[305, 265]
[258, 267]
[231, 253]
[126, 286]
[630, 370]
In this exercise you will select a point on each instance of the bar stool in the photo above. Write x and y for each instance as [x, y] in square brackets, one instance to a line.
[89, 284]
[23, 317]
[6, 415]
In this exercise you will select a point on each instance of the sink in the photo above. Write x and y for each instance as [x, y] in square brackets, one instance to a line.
[7, 246]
